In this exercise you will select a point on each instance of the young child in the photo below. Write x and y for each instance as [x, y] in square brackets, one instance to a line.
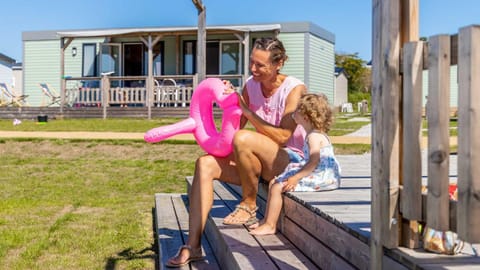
[319, 171]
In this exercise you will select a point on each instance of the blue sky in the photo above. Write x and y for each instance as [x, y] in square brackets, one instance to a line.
[349, 20]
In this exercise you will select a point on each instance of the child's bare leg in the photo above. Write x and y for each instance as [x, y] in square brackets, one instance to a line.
[260, 222]
[274, 206]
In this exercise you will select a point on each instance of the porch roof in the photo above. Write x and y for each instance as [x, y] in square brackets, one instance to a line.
[136, 31]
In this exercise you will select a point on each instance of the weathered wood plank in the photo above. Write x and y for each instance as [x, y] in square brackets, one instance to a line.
[280, 251]
[320, 235]
[412, 124]
[210, 262]
[468, 210]
[386, 94]
[412, 157]
[169, 236]
[438, 132]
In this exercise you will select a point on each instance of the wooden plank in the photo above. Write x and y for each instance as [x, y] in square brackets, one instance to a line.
[210, 262]
[280, 251]
[386, 94]
[438, 131]
[420, 259]
[412, 156]
[468, 211]
[234, 246]
[409, 15]
[323, 256]
[320, 233]
[169, 237]
[412, 124]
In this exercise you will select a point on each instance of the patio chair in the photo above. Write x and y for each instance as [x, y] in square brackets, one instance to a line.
[166, 92]
[51, 94]
[11, 97]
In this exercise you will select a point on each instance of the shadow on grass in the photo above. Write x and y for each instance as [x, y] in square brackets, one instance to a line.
[129, 254]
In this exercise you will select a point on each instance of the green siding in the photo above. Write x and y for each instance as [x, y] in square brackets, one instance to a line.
[311, 60]
[295, 46]
[322, 67]
[41, 64]
[453, 86]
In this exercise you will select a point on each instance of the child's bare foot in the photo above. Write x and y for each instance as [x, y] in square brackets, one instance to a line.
[256, 224]
[263, 229]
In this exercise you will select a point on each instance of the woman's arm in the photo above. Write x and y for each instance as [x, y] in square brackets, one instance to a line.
[280, 134]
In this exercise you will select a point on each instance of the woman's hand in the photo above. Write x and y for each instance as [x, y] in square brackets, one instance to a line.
[229, 88]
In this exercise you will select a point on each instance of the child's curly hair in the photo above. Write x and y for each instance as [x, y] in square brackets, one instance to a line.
[318, 111]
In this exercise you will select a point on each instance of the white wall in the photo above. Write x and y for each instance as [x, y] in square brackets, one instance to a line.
[6, 74]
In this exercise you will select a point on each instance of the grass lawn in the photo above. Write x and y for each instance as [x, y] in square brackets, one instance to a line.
[84, 205]
[80, 204]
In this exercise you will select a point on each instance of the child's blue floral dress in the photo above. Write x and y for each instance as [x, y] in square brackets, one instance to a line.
[325, 177]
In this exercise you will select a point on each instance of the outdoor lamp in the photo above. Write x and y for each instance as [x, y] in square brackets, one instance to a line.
[74, 51]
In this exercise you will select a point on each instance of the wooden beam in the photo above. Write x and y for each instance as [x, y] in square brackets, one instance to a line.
[412, 156]
[201, 40]
[409, 232]
[438, 116]
[63, 84]
[386, 94]
[468, 211]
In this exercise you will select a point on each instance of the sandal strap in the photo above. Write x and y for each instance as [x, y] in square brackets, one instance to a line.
[190, 249]
[252, 212]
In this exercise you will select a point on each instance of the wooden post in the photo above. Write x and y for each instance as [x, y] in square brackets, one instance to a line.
[438, 115]
[63, 83]
[201, 40]
[411, 153]
[412, 124]
[468, 207]
[105, 88]
[386, 94]
[246, 57]
[410, 164]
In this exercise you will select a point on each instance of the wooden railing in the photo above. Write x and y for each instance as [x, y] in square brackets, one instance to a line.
[398, 205]
[437, 211]
[133, 90]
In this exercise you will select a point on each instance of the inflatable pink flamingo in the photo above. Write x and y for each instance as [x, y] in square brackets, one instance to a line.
[201, 122]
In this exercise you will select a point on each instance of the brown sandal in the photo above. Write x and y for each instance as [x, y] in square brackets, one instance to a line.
[249, 221]
[194, 256]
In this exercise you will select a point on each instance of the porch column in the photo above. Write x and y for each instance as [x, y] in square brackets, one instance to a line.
[63, 83]
[246, 54]
[201, 40]
[149, 81]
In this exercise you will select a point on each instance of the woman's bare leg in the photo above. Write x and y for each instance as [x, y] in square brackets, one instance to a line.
[274, 206]
[207, 168]
[256, 155]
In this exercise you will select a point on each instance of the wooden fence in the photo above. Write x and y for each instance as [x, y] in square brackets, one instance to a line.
[398, 205]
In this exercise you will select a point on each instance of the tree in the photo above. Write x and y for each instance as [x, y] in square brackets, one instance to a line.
[359, 76]
[357, 73]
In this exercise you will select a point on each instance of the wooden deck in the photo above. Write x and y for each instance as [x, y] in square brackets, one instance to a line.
[323, 230]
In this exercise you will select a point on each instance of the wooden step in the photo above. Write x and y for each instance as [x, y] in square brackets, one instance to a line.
[171, 223]
[235, 248]
[326, 226]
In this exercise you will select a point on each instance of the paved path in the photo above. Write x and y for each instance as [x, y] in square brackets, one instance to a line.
[136, 136]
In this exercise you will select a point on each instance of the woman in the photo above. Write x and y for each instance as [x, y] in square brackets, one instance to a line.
[268, 100]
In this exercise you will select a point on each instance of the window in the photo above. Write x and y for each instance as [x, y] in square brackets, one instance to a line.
[89, 60]
[230, 58]
[222, 57]
[158, 65]
[189, 57]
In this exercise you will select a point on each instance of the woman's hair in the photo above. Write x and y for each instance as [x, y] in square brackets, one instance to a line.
[273, 45]
[317, 109]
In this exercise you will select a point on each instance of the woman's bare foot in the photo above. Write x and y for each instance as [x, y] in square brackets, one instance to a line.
[264, 229]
